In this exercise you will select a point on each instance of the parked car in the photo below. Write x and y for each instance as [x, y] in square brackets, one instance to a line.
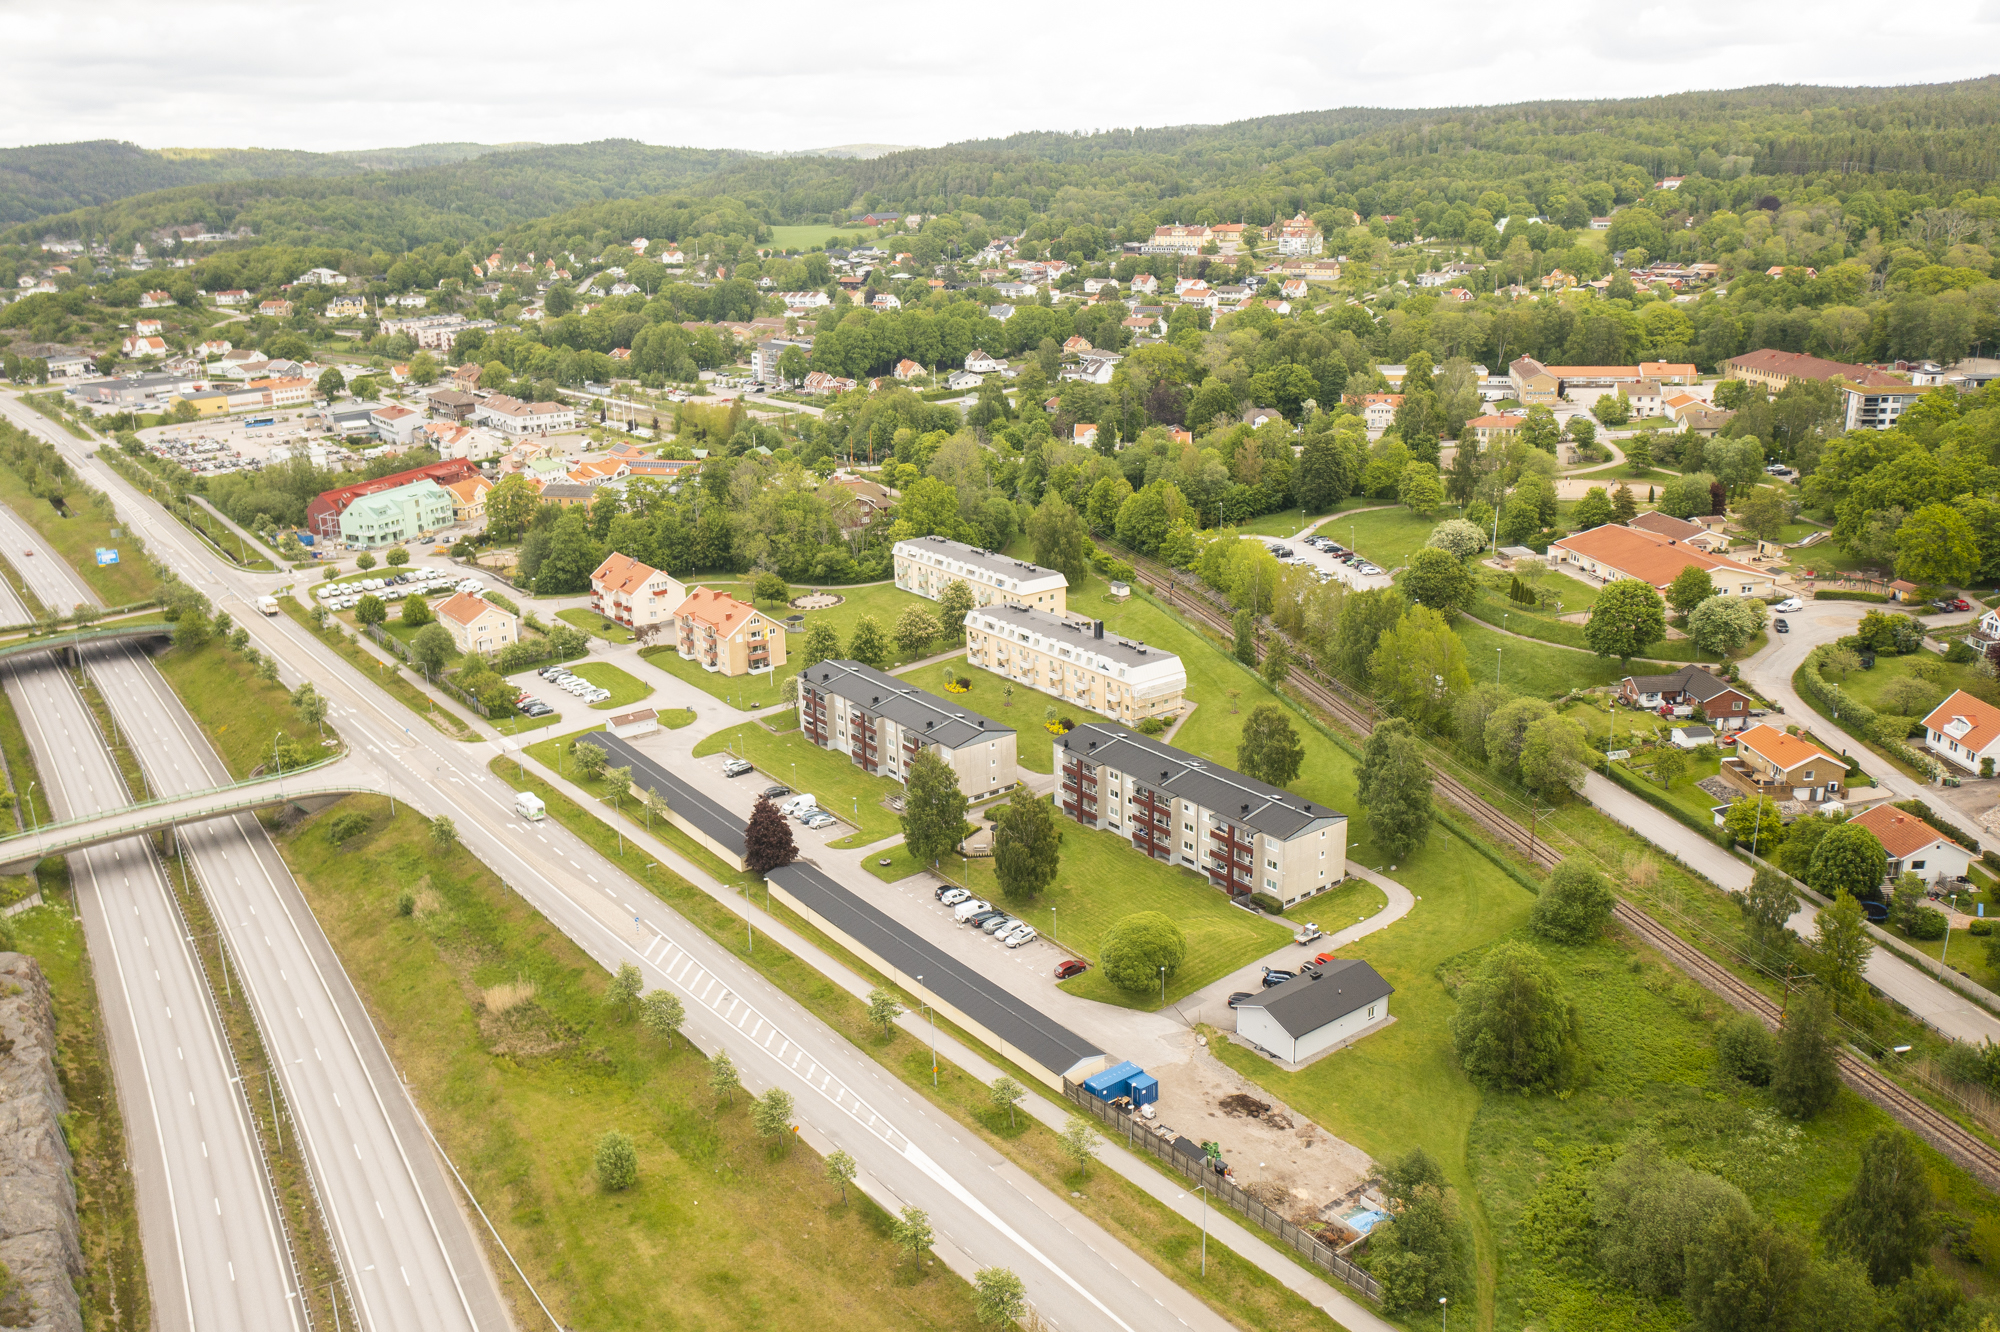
[1273, 976]
[1960, 604]
[1240, 998]
[979, 920]
[736, 767]
[818, 820]
[998, 924]
[1789, 606]
[1780, 625]
[951, 895]
[1023, 933]
[775, 792]
[1071, 967]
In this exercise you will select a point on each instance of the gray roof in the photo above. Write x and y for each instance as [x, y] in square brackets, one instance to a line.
[915, 710]
[682, 797]
[1077, 633]
[1012, 1019]
[1690, 680]
[1231, 795]
[1304, 1005]
[1000, 566]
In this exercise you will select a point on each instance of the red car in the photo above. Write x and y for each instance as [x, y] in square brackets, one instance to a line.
[1064, 970]
[1323, 959]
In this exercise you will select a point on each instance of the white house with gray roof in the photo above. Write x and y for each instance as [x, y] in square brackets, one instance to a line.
[1311, 1013]
[928, 565]
[883, 723]
[1076, 661]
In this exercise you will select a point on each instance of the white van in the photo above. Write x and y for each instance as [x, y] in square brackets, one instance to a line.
[797, 806]
[529, 806]
[969, 908]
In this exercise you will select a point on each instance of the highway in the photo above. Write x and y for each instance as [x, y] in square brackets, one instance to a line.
[985, 1211]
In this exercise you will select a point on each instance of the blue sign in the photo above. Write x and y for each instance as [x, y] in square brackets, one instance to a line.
[107, 555]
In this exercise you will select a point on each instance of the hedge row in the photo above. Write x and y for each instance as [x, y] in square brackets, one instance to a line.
[1928, 815]
[1849, 596]
[1885, 730]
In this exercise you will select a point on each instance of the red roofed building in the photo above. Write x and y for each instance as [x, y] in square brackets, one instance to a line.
[476, 624]
[1964, 731]
[1914, 845]
[1611, 552]
[323, 514]
[634, 594]
[1775, 369]
[1786, 766]
[726, 635]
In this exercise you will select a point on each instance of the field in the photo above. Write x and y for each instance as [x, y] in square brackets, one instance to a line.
[1543, 670]
[625, 689]
[799, 238]
[842, 789]
[1286, 522]
[1034, 744]
[1387, 537]
[240, 712]
[1493, 607]
[77, 538]
[519, 1092]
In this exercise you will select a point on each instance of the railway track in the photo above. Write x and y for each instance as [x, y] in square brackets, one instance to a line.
[1940, 1130]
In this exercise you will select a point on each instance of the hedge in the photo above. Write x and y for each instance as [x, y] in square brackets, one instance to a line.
[1887, 731]
[1877, 597]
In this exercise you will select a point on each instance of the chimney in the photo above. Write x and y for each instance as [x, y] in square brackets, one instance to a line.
[1097, 629]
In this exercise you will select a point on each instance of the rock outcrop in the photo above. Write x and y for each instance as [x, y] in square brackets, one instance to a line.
[38, 1228]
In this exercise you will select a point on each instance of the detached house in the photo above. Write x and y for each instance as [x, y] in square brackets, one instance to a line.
[1964, 731]
[1785, 766]
[477, 625]
[1914, 845]
[1726, 707]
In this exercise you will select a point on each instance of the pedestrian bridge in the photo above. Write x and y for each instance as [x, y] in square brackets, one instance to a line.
[315, 785]
[82, 638]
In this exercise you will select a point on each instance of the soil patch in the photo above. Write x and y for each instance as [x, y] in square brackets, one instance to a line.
[817, 601]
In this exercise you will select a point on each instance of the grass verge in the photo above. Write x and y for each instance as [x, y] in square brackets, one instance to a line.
[591, 622]
[77, 537]
[240, 712]
[626, 689]
[389, 677]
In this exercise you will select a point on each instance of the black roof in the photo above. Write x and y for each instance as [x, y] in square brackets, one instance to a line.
[682, 797]
[1013, 1020]
[917, 711]
[1228, 794]
[1305, 1004]
[1690, 680]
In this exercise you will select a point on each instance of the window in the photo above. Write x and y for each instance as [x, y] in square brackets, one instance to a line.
[1371, 1011]
[1187, 827]
[1270, 883]
[1737, 705]
[1916, 864]
[1270, 864]
[1187, 846]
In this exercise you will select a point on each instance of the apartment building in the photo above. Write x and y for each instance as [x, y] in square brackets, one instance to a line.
[1247, 837]
[1076, 661]
[928, 565]
[636, 595]
[883, 723]
[391, 517]
[726, 635]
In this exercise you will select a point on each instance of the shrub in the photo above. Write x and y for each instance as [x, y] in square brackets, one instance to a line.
[617, 1162]
[1573, 906]
[1158, 726]
[1960, 653]
[1268, 904]
[1135, 948]
[1746, 1051]
[1926, 923]
[1980, 928]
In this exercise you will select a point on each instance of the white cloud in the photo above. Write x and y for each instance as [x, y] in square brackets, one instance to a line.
[790, 75]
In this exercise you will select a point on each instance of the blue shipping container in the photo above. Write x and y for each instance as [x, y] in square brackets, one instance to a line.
[1112, 1083]
[1144, 1089]
[305, 538]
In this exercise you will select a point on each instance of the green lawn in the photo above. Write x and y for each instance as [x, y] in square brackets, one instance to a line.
[592, 623]
[842, 788]
[1543, 669]
[1494, 608]
[1286, 522]
[78, 537]
[518, 1096]
[901, 863]
[884, 601]
[240, 713]
[1034, 744]
[1869, 686]
[1702, 763]
[625, 689]
[800, 238]
[1386, 537]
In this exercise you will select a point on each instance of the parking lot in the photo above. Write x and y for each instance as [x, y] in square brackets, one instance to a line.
[1332, 561]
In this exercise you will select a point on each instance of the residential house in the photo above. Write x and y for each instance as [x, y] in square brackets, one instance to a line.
[1786, 766]
[213, 348]
[1533, 384]
[1378, 410]
[1245, 835]
[765, 356]
[1645, 398]
[323, 513]
[1145, 284]
[154, 300]
[1177, 239]
[1077, 345]
[346, 307]
[636, 595]
[284, 390]
[726, 635]
[451, 403]
[1669, 372]
[1611, 552]
[275, 309]
[1084, 433]
[1707, 536]
[804, 300]
[1315, 1010]
[1300, 237]
[135, 346]
[929, 564]
[323, 277]
[511, 416]
[980, 363]
[1000, 312]
[908, 369]
[468, 498]
[476, 624]
[234, 296]
[963, 379]
[1725, 707]
[1493, 429]
[1076, 661]
[870, 498]
[1293, 289]
[1091, 369]
[1965, 732]
[819, 381]
[883, 724]
[1914, 846]
[396, 424]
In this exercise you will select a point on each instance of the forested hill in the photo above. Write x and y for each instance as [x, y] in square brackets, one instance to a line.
[58, 177]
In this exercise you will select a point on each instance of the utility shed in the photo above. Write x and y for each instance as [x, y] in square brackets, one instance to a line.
[1302, 1017]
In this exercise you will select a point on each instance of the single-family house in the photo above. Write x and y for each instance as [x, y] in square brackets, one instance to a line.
[1913, 845]
[276, 309]
[1787, 766]
[908, 369]
[153, 300]
[980, 363]
[135, 345]
[468, 497]
[1378, 410]
[476, 624]
[346, 307]
[1965, 732]
[1725, 706]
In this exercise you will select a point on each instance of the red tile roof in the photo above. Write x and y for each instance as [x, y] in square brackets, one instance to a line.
[720, 609]
[464, 607]
[1983, 720]
[1900, 834]
[1786, 750]
[1645, 556]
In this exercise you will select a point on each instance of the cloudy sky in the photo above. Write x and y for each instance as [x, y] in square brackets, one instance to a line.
[784, 75]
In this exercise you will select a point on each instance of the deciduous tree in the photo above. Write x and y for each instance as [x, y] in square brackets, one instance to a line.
[1625, 621]
[1515, 1029]
[661, 1012]
[1005, 1093]
[1395, 789]
[1888, 1220]
[767, 839]
[1027, 846]
[1439, 579]
[1136, 947]
[916, 630]
[617, 1162]
[999, 1299]
[933, 808]
[1691, 587]
[1269, 749]
[1807, 1077]
[1573, 906]
[1849, 860]
[868, 646]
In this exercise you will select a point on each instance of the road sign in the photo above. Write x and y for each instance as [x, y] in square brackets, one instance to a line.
[107, 555]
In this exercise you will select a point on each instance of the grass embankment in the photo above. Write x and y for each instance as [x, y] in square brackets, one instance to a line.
[382, 673]
[77, 537]
[1232, 1286]
[499, 1023]
[842, 789]
[51, 406]
[240, 712]
[604, 627]
[115, 1295]
[31, 802]
[22, 592]
[626, 689]
[213, 531]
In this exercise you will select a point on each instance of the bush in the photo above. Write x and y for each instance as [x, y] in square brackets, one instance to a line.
[1153, 726]
[1960, 653]
[1573, 906]
[1824, 595]
[1926, 923]
[1746, 1051]
[1135, 948]
[1979, 929]
[617, 1162]
[1268, 904]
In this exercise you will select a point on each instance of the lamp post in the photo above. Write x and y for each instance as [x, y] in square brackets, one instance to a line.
[1444, 1309]
[933, 1017]
[1496, 664]
[1203, 1188]
[1163, 985]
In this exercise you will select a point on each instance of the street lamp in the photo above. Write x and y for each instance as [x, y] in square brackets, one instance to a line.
[933, 1016]
[1163, 985]
[1496, 664]
[1444, 1309]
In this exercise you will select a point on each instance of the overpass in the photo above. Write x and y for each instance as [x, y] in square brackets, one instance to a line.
[320, 783]
[81, 638]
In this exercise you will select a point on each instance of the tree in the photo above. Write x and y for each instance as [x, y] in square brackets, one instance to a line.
[1573, 906]
[617, 1162]
[1626, 620]
[1515, 1029]
[1841, 946]
[1888, 1219]
[1762, 513]
[1687, 495]
[1756, 823]
[916, 630]
[1769, 904]
[1691, 587]
[1057, 534]
[1439, 579]
[1670, 765]
[883, 1010]
[1638, 453]
[1245, 627]
[1026, 846]
[370, 610]
[1554, 754]
[954, 604]
[1849, 860]
[770, 587]
[1395, 789]
[626, 983]
[331, 384]
[840, 1169]
[1277, 667]
[1722, 625]
[999, 1299]
[1540, 430]
[417, 612]
[933, 808]
[1418, 666]
[1624, 508]
[364, 561]
[1807, 1076]
[1269, 750]
[431, 647]
[1005, 1093]
[311, 705]
[573, 552]
[1420, 490]
[1746, 1051]
[1746, 1275]
[868, 646]
[1593, 510]
[511, 505]
[1078, 1141]
[1456, 535]
[767, 839]
[822, 643]
[912, 1231]
[396, 557]
[661, 1012]
[444, 834]
[1937, 545]
[771, 1113]
[722, 1076]
[193, 630]
[1135, 949]
[1650, 1210]
[589, 759]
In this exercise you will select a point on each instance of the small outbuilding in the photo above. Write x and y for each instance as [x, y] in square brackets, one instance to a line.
[1310, 1014]
[1692, 737]
[632, 725]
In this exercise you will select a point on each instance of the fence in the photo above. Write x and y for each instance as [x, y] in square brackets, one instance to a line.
[396, 645]
[1299, 1240]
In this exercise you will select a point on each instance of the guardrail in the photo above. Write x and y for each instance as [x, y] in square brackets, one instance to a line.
[1296, 1238]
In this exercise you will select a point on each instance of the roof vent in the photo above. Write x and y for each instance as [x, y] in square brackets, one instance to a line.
[929, 724]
